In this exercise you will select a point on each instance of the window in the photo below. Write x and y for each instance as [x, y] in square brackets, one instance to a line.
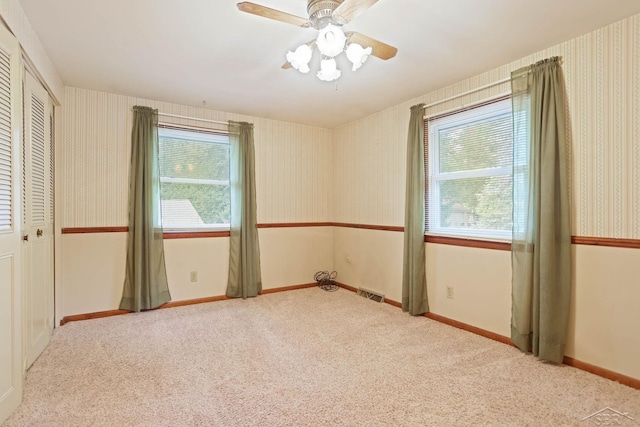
[194, 179]
[469, 185]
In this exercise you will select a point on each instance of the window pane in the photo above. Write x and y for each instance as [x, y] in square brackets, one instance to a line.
[476, 203]
[193, 159]
[193, 205]
[479, 144]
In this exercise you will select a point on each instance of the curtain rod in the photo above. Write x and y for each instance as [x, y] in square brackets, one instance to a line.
[192, 118]
[462, 107]
[487, 86]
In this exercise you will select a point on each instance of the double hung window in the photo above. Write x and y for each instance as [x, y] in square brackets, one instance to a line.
[194, 179]
[469, 172]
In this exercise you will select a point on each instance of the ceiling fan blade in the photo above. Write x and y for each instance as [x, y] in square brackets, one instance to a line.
[379, 49]
[286, 66]
[277, 15]
[350, 9]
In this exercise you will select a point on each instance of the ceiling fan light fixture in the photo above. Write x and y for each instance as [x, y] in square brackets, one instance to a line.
[327, 17]
[300, 58]
[357, 55]
[331, 40]
[328, 70]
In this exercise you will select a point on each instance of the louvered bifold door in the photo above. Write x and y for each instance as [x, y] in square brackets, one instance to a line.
[11, 366]
[6, 149]
[38, 251]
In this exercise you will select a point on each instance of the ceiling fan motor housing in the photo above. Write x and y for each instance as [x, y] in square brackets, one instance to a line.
[320, 12]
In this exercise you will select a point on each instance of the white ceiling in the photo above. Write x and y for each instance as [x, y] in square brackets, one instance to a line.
[190, 51]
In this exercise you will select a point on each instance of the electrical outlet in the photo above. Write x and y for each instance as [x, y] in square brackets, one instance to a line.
[193, 276]
[450, 292]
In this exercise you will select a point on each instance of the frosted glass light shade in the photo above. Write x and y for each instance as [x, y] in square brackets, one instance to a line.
[357, 55]
[300, 58]
[331, 40]
[328, 70]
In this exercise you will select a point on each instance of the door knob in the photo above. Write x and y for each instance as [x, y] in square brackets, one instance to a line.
[39, 233]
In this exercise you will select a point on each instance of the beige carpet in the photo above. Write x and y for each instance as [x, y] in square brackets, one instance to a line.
[299, 358]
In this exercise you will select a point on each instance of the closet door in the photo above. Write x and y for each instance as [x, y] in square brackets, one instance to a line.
[37, 255]
[11, 373]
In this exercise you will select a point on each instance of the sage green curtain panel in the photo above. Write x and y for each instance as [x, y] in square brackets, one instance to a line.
[541, 247]
[145, 283]
[244, 249]
[414, 279]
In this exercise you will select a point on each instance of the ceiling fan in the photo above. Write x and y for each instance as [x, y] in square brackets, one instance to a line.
[328, 17]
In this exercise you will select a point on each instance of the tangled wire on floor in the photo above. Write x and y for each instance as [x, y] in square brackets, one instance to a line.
[325, 280]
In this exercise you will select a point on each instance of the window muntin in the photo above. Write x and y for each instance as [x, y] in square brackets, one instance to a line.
[194, 179]
[469, 172]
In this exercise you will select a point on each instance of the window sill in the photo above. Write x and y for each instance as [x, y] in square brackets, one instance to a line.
[194, 234]
[469, 242]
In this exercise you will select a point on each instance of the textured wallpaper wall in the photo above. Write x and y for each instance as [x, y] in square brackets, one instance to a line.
[602, 74]
[293, 162]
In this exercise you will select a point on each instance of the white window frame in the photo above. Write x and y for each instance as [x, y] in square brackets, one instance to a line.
[435, 177]
[213, 137]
